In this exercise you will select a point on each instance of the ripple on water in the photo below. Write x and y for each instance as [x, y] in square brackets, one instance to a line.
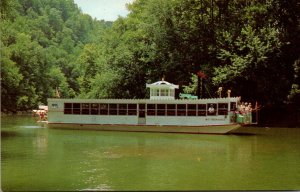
[31, 127]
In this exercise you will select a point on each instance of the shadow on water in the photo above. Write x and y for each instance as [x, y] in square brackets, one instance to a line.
[9, 155]
[244, 134]
[5, 134]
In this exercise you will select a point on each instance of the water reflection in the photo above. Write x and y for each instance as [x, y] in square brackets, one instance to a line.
[155, 159]
[40, 143]
[31, 127]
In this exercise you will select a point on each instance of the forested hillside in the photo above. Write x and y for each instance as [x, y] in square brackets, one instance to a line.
[250, 47]
[41, 46]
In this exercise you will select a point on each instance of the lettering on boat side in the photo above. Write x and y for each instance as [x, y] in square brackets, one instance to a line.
[214, 119]
[54, 105]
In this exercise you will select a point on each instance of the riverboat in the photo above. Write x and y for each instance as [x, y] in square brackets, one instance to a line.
[160, 113]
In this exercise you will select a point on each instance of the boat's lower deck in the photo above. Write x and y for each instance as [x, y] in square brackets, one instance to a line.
[212, 129]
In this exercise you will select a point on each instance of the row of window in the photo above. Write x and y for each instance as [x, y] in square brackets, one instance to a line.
[100, 109]
[162, 92]
[150, 110]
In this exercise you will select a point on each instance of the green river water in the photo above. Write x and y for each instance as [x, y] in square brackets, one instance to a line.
[41, 159]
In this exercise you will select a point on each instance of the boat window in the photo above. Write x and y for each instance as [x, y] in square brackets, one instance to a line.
[85, 108]
[142, 106]
[132, 109]
[212, 109]
[233, 106]
[142, 110]
[164, 92]
[202, 110]
[161, 110]
[68, 108]
[76, 108]
[181, 110]
[172, 92]
[113, 109]
[122, 109]
[191, 110]
[151, 109]
[94, 108]
[222, 108]
[103, 109]
[171, 109]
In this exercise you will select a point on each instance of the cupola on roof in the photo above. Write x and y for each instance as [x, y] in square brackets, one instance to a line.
[162, 90]
[162, 84]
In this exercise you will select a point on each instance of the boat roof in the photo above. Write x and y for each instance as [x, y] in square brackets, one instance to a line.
[149, 101]
[162, 84]
[43, 107]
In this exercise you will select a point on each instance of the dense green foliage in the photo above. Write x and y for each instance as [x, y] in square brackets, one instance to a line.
[41, 47]
[250, 47]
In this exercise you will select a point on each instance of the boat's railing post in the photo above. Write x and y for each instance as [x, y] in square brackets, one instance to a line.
[256, 114]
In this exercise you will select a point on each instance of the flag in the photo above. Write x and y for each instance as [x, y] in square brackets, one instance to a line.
[201, 74]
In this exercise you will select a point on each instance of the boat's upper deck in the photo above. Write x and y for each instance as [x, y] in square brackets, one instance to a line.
[162, 102]
[150, 101]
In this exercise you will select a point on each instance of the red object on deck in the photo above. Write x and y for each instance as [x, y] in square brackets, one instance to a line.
[201, 74]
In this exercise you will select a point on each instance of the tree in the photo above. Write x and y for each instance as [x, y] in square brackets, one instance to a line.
[41, 43]
[10, 80]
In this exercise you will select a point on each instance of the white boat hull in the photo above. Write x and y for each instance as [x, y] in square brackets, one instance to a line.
[208, 129]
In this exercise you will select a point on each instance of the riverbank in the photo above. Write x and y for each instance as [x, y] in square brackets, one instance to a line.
[3, 114]
[279, 117]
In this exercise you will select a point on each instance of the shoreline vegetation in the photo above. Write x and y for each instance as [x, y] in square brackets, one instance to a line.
[250, 48]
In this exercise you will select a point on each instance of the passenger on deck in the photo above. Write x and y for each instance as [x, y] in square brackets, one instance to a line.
[242, 108]
[42, 116]
[248, 108]
[211, 109]
[248, 113]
